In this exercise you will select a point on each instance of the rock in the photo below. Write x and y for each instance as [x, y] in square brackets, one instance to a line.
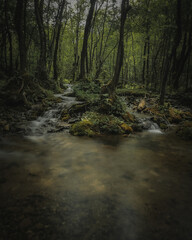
[147, 124]
[78, 108]
[65, 118]
[73, 120]
[137, 127]
[141, 105]
[128, 117]
[126, 128]
[82, 128]
[63, 125]
[185, 133]
[174, 116]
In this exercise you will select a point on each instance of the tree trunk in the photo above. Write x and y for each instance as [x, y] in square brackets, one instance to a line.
[55, 62]
[144, 63]
[42, 67]
[171, 57]
[20, 12]
[85, 40]
[125, 7]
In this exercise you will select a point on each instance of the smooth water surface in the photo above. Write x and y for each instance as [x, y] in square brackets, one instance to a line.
[58, 186]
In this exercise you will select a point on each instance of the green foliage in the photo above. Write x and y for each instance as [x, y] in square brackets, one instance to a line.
[115, 106]
[88, 92]
[82, 128]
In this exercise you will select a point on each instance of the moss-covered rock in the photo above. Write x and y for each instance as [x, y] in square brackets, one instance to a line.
[128, 117]
[174, 115]
[116, 106]
[82, 128]
[184, 130]
[94, 124]
[65, 117]
[78, 108]
[126, 128]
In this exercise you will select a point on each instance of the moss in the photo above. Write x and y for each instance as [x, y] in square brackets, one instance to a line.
[88, 92]
[94, 124]
[126, 128]
[163, 126]
[128, 117]
[187, 124]
[185, 133]
[65, 118]
[184, 130]
[110, 106]
[78, 108]
[82, 128]
[174, 115]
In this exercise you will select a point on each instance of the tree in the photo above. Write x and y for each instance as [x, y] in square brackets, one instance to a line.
[20, 26]
[59, 26]
[85, 40]
[42, 66]
[125, 7]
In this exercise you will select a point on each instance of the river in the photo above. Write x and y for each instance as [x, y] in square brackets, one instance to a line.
[57, 186]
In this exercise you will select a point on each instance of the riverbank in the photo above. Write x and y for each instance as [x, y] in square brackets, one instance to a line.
[88, 112]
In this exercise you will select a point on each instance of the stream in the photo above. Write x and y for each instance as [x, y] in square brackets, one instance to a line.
[55, 186]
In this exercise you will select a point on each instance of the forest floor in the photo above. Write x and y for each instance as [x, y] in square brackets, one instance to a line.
[134, 110]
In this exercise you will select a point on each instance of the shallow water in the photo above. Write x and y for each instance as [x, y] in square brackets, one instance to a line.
[58, 186]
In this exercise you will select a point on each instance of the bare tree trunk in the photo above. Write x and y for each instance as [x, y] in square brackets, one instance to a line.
[19, 25]
[144, 63]
[85, 40]
[125, 7]
[55, 62]
[42, 66]
[171, 57]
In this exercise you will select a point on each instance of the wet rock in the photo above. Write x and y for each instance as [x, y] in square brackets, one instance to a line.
[82, 128]
[73, 120]
[63, 125]
[78, 108]
[141, 105]
[174, 116]
[137, 127]
[184, 130]
[126, 128]
[128, 117]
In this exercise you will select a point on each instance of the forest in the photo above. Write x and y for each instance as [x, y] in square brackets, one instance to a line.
[105, 49]
[95, 119]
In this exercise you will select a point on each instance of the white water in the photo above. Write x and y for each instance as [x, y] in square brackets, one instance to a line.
[51, 117]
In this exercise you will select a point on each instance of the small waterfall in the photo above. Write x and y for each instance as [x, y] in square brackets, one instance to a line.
[148, 125]
[155, 128]
[48, 122]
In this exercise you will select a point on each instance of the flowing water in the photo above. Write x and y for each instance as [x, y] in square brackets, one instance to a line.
[57, 186]
[50, 119]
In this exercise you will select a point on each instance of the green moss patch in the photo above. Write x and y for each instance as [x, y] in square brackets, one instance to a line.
[95, 124]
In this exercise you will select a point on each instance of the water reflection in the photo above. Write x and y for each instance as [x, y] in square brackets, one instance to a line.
[64, 187]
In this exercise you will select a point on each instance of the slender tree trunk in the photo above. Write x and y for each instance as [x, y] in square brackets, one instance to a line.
[9, 39]
[148, 53]
[19, 25]
[144, 63]
[85, 40]
[125, 7]
[171, 57]
[42, 67]
[134, 62]
[187, 77]
[55, 62]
